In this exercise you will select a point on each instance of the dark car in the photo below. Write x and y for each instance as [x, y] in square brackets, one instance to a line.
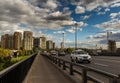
[61, 53]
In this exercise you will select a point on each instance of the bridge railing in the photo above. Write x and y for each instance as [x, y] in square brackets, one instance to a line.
[71, 67]
[17, 72]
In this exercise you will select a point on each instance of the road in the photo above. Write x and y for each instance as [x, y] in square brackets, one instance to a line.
[110, 64]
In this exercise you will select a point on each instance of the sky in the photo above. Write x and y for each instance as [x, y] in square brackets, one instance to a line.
[51, 18]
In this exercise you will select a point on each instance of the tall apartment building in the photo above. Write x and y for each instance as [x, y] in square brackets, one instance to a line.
[6, 41]
[28, 40]
[10, 41]
[36, 42]
[49, 44]
[3, 41]
[43, 42]
[17, 40]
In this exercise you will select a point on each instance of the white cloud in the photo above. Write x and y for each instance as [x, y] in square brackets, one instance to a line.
[59, 32]
[115, 5]
[71, 30]
[109, 25]
[85, 17]
[114, 15]
[79, 10]
[107, 9]
[51, 4]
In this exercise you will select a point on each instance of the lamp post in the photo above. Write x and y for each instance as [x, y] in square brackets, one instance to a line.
[75, 35]
[63, 40]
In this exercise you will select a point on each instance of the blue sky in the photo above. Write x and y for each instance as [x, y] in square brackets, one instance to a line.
[51, 18]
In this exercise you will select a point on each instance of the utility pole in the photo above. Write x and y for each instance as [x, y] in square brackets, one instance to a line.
[75, 35]
[63, 40]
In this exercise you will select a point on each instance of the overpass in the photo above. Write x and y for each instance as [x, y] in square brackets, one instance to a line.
[42, 71]
[51, 69]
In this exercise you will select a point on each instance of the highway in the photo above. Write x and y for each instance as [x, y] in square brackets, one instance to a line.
[110, 64]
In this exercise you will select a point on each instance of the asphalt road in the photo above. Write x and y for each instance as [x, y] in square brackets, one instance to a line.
[110, 64]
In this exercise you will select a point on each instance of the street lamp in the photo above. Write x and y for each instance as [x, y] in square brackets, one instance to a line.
[63, 39]
[75, 35]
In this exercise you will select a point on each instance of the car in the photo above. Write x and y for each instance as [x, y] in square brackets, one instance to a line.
[61, 53]
[80, 56]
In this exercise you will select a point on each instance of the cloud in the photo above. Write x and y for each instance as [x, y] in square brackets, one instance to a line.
[85, 17]
[79, 10]
[90, 5]
[102, 38]
[114, 15]
[115, 5]
[59, 32]
[109, 25]
[79, 27]
[35, 14]
[71, 30]
[97, 36]
[60, 16]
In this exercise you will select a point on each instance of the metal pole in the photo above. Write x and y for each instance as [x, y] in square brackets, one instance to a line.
[63, 40]
[76, 36]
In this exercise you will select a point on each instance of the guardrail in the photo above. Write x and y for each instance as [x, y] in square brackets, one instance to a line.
[17, 72]
[70, 65]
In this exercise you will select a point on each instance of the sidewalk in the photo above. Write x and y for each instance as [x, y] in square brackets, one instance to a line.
[42, 71]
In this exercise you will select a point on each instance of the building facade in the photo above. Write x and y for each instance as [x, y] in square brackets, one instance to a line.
[49, 44]
[3, 41]
[37, 43]
[10, 41]
[42, 42]
[17, 40]
[28, 40]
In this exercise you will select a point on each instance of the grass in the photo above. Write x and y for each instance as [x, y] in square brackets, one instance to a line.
[11, 62]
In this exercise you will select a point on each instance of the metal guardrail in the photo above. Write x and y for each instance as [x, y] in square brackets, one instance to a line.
[17, 72]
[70, 65]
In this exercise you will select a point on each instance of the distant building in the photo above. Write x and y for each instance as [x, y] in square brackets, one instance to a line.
[28, 40]
[112, 46]
[49, 44]
[43, 42]
[3, 41]
[6, 41]
[10, 41]
[17, 40]
[36, 43]
[62, 45]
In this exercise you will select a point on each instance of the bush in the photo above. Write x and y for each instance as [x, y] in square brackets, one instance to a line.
[4, 55]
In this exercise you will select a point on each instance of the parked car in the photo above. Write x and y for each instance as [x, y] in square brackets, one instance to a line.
[80, 56]
[61, 53]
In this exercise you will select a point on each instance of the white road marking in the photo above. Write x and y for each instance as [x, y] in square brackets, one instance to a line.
[101, 64]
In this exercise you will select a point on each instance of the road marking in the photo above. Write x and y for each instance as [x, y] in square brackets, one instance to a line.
[101, 64]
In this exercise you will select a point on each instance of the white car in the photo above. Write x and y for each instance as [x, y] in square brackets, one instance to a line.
[80, 56]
